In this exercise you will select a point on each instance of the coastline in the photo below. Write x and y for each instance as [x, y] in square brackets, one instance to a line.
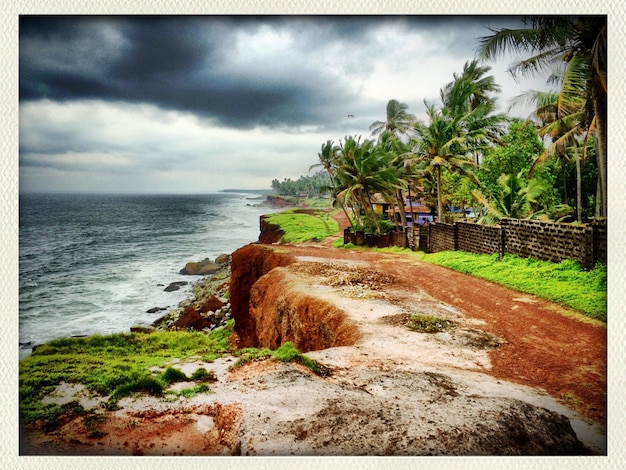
[458, 373]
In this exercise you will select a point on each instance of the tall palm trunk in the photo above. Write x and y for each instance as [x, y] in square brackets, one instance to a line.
[599, 103]
[439, 201]
[336, 196]
[373, 214]
[579, 187]
[400, 201]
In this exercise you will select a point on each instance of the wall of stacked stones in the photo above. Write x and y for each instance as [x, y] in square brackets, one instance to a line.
[442, 237]
[480, 239]
[549, 241]
[546, 241]
[600, 241]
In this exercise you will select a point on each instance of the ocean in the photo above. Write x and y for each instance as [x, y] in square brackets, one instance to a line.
[94, 264]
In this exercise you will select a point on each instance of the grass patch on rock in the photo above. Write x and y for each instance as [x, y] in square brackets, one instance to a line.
[285, 353]
[299, 226]
[111, 365]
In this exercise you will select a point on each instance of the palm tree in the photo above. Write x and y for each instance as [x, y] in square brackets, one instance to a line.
[398, 122]
[328, 161]
[392, 150]
[462, 127]
[441, 144]
[566, 117]
[362, 173]
[470, 89]
[553, 40]
[514, 199]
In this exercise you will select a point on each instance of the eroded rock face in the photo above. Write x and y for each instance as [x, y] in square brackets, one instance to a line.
[269, 233]
[211, 304]
[281, 311]
[249, 263]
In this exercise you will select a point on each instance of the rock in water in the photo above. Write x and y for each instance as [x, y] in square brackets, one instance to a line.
[142, 329]
[155, 309]
[175, 286]
[200, 268]
[190, 268]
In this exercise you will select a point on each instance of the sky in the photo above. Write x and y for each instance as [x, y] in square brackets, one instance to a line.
[177, 104]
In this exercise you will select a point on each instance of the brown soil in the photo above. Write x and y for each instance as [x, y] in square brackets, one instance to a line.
[511, 375]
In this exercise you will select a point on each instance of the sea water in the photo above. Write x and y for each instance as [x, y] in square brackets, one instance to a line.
[95, 264]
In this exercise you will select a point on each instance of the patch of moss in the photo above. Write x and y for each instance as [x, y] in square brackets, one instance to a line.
[428, 323]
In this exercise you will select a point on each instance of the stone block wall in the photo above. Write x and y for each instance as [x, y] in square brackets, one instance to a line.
[548, 241]
[480, 239]
[600, 240]
[442, 237]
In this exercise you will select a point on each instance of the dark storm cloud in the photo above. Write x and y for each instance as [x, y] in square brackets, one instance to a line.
[185, 63]
[175, 63]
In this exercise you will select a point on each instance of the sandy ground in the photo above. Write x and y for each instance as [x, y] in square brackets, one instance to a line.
[493, 384]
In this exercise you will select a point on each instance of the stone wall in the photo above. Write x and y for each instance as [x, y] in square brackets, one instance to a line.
[546, 241]
[600, 231]
[380, 241]
[442, 237]
[480, 239]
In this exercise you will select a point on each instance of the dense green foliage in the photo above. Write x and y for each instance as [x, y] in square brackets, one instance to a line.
[457, 158]
[301, 226]
[565, 283]
[307, 186]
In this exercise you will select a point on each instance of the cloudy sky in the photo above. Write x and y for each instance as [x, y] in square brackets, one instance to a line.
[198, 104]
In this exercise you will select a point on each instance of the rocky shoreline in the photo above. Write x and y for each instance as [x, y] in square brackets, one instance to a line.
[208, 307]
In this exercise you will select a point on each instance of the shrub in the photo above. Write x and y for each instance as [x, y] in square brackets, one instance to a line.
[172, 375]
[203, 374]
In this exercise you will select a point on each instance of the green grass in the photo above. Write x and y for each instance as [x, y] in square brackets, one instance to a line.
[285, 353]
[301, 227]
[112, 365]
[565, 283]
[190, 392]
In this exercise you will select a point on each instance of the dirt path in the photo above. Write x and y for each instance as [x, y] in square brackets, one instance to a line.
[545, 346]
[513, 373]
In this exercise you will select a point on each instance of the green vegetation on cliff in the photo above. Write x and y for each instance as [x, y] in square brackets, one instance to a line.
[112, 365]
[301, 225]
[119, 365]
